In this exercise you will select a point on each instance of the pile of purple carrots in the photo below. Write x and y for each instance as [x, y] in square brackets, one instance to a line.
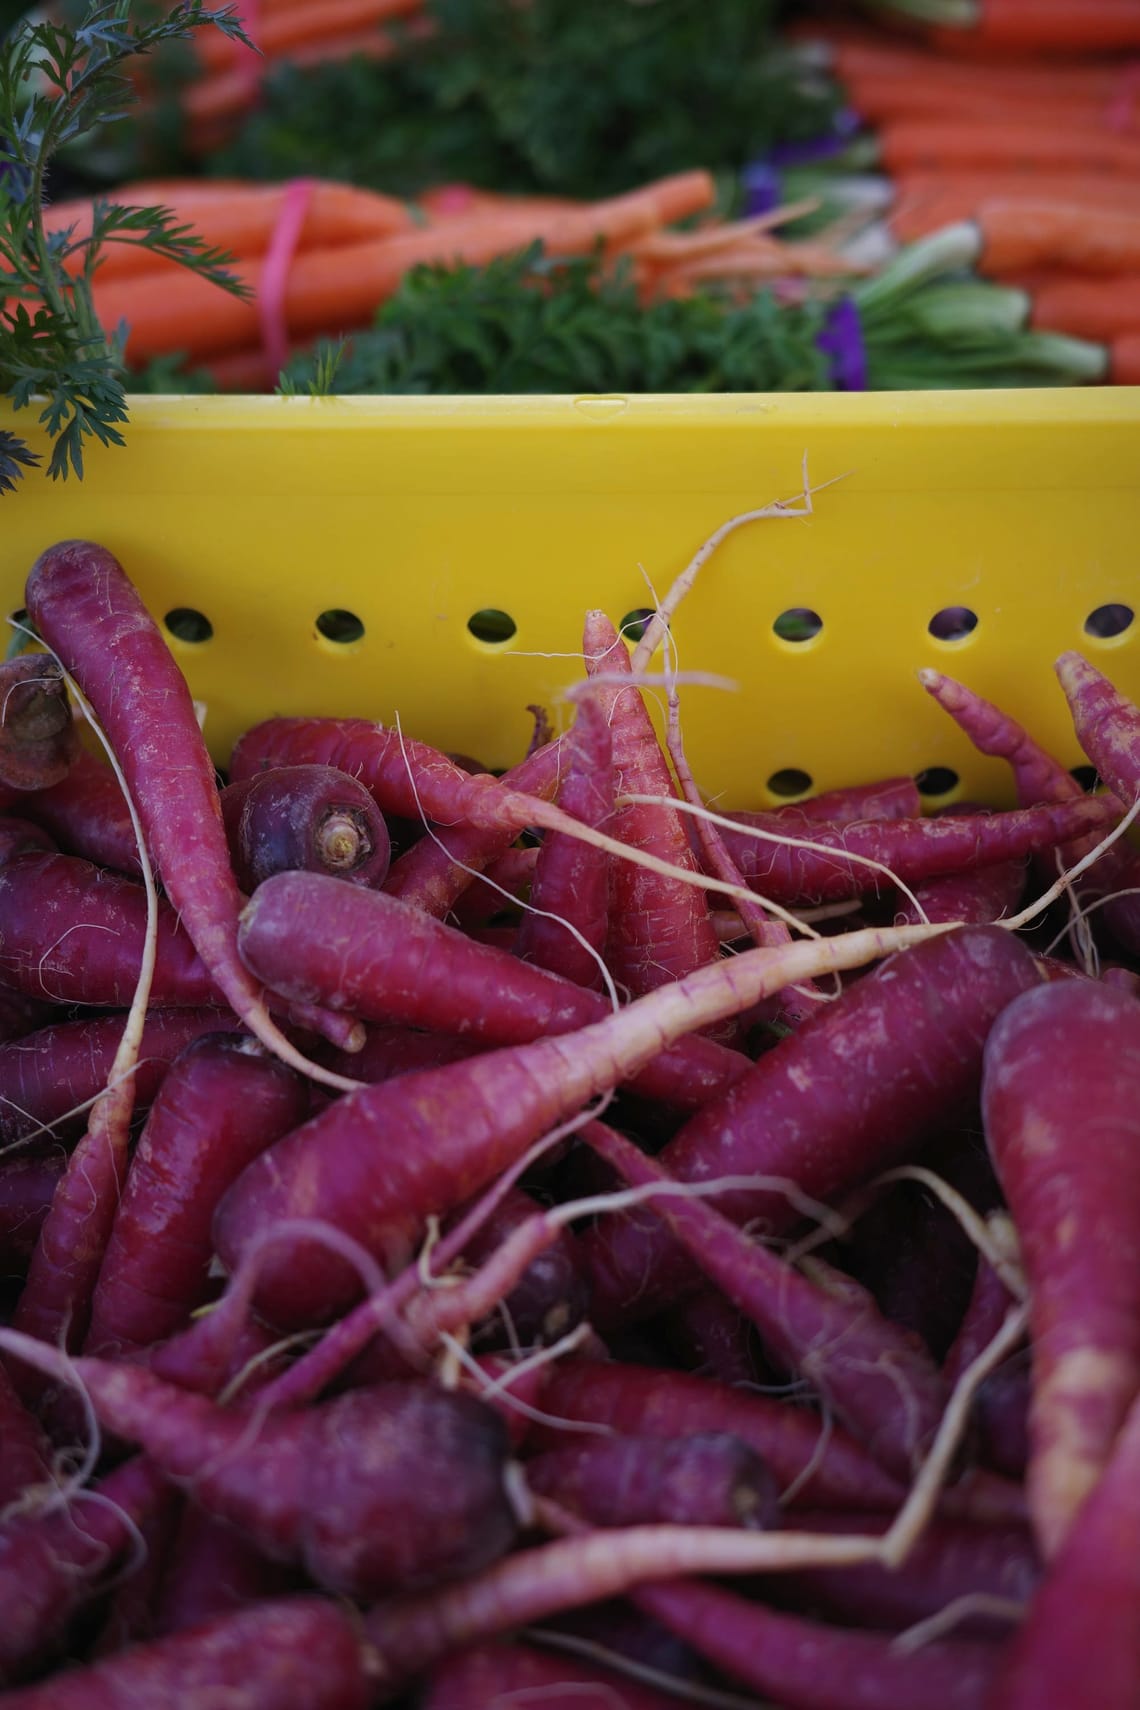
[479, 1241]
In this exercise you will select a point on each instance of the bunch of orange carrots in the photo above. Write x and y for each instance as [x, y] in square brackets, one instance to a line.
[303, 32]
[989, 27]
[348, 250]
[1043, 155]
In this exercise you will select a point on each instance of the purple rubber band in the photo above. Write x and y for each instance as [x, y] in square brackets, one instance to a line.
[841, 339]
[845, 124]
[762, 191]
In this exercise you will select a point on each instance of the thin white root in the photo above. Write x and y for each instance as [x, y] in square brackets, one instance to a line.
[936, 1626]
[915, 1512]
[1047, 897]
[977, 1228]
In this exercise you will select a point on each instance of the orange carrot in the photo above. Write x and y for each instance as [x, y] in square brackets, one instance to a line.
[330, 289]
[445, 202]
[926, 202]
[1080, 26]
[1124, 360]
[883, 100]
[242, 221]
[1021, 234]
[939, 144]
[278, 33]
[1097, 309]
[856, 57]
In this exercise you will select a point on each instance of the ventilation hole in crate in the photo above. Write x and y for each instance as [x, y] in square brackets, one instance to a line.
[1109, 621]
[790, 781]
[339, 626]
[1087, 777]
[936, 781]
[186, 624]
[491, 625]
[633, 624]
[798, 623]
[953, 623]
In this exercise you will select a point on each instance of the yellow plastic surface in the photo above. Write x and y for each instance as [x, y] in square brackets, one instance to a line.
[415, 513]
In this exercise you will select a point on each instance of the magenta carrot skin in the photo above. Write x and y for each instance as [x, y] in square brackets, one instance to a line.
[87, 610]
[72, 933]
[291, 1654]
[22, 837]
[309, 817]
[807, 1666]
[572, 879]
[912, 849]
[211, 1571]
[131, 1614]
[987, 893]
[26, 1189]
[87, 814]
[437, 870]
[38, 739]
[950, 1559]
[25, 1453]
[309, 937]
[401, 1485]
[704, 1479]
[512, 873]
[223, 1101]
[551, 1296]
[519, 1677]
[47, 1074]
[989, 1302]
[643, 1401]
[211, 1353]
[888, 798]
[916, 1026]
[876, 1378]
[53, 1564]
[1086, 1605]
[1061, 1108]
[660, 929]
[1107, 724]
[708, 1337]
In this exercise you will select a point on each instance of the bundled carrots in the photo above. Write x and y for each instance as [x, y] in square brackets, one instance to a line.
[320, 258]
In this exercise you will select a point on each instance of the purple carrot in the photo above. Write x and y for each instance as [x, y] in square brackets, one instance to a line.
[911, 849]
[915, 1028]
[38, 739]
[874, 1377]
[379, 1162]
[309, 817]
[1084, 1614]
[87, 814]
[72, 933]
[1002, 1408]
[709, 1338]
[53, 1564]
[1061, 1107]
[222, 1102]
[660, 929]
[887, 798]
[1040, 778]
[400, 1485]
[211, 1354]
[519, 1677]
[52, 1073]
[985, 894]
[989, 1302]
[826, 1465]
[26, 1189]
[484, 898]
[948, 1562]
[290, 1654]
[411, 781]
[1107, 724]
[572, 878]
[130, 1618]
[704, 1479]
[807, 1666]
[25, 1452]
[211, 1570]
[22, 837]
[310, 938]
[86, 609]
[550, 1297]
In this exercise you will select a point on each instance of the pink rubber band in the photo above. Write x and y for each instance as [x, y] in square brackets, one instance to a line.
[1122, 107]
[454, 198]
[271, 306]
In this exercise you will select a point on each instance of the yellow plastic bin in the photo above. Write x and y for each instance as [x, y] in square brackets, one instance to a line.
[342, 555]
